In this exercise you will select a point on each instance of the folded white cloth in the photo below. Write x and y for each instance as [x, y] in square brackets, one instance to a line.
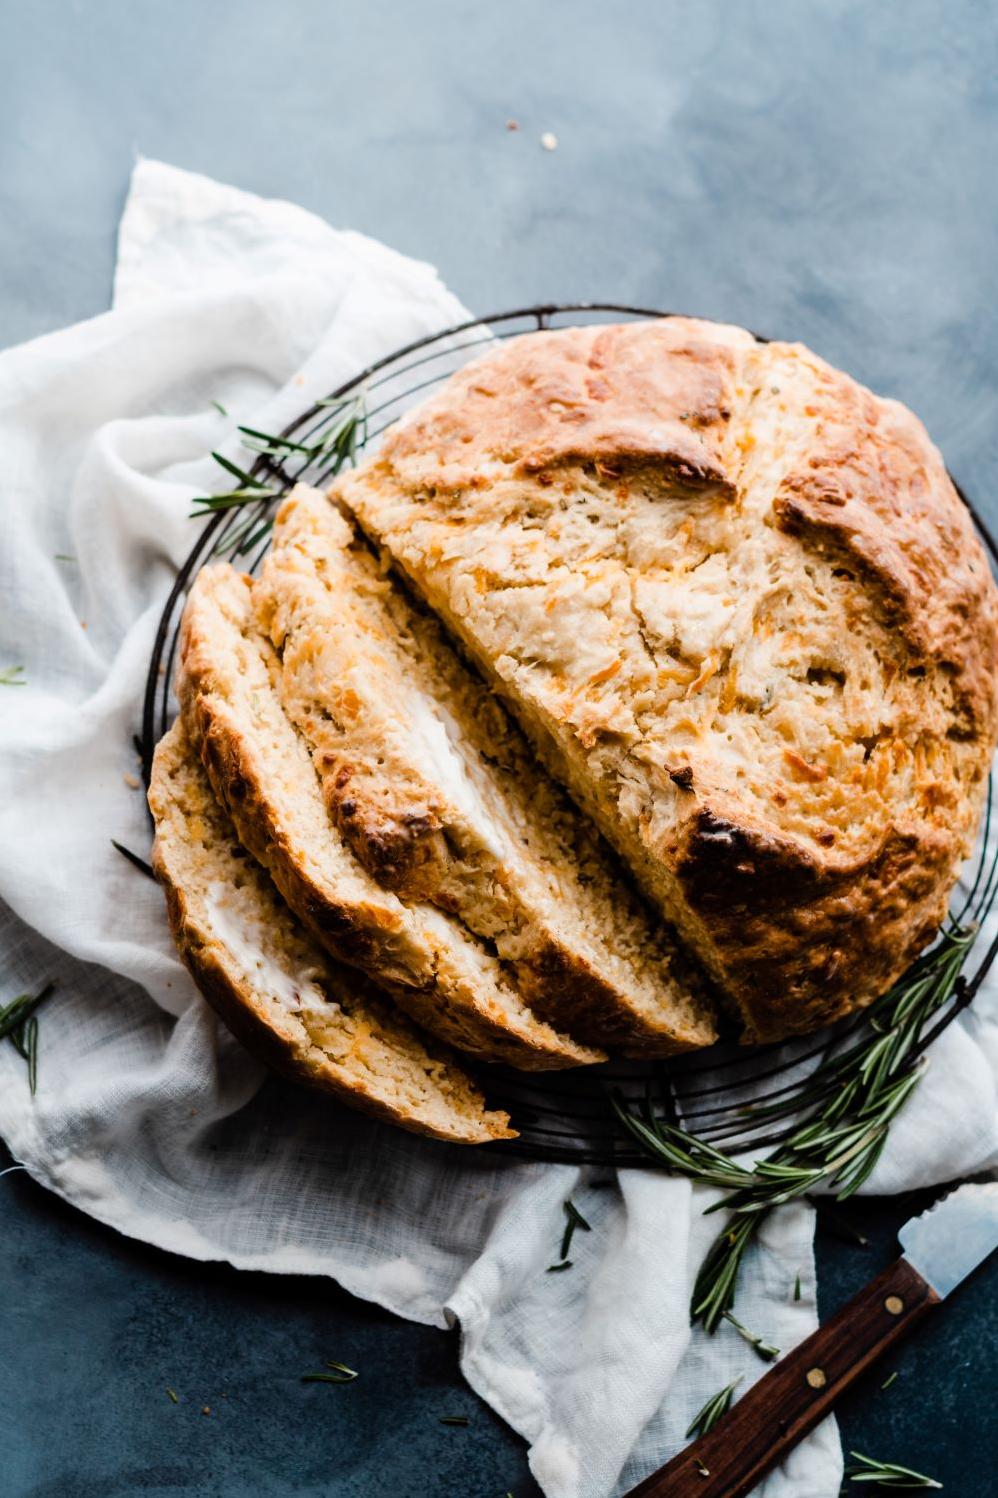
[148, 1116]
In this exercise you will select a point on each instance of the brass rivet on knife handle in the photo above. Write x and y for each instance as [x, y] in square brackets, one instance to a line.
[894, 1305]
[816, 1377]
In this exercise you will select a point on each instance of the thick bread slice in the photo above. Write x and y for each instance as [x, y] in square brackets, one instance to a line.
[737, 603]
[279, 993]
[439, 796]
[261, 771]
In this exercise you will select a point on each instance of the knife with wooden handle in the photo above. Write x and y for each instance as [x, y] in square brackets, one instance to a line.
[941, 1247]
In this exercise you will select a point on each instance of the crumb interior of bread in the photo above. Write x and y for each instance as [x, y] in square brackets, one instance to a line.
[329, 1016]
[386, 697]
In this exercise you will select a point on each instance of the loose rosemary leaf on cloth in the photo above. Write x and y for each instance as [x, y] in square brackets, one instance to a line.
[147, 1115]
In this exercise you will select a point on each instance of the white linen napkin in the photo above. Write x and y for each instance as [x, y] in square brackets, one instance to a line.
[148, 1116]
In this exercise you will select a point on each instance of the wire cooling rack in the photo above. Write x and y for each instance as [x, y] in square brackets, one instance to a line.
[735, 1097]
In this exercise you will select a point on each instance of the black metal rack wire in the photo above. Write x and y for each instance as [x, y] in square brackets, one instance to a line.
[735, 1097]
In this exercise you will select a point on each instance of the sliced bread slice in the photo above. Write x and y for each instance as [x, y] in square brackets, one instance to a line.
[439, 796]
[276, 990]
[262, 773]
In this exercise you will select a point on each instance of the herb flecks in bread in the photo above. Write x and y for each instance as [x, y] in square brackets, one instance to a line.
[440, 797]
[261, 770]
[738, 605]
[321, 1024]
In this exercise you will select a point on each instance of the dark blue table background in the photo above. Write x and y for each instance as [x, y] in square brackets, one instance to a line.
[827, 171]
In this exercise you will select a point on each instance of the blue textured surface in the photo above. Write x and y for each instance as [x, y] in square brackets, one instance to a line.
[815, 170]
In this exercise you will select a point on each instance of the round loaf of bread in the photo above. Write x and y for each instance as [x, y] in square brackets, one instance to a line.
[740, 608]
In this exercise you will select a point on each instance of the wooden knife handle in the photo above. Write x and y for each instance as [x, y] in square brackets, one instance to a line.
[796, 1393]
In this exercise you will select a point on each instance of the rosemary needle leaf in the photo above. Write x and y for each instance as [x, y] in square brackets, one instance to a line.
[763, 1349]
[19, 1010]
[12, 676]
[246, 479]
[454, 1420]
[32, 1057]
[275, 442]
[887, 1474]
[172, 1397]
[220, 408]
[16, 1038]
[716, 1407]
[576, 1217]
[573, 1219]
[797, 1288]
[339, 1374]
[557, 1268]
[889, 1380]
[134, 859]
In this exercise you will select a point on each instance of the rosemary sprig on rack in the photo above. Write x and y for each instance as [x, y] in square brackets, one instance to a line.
[887, 1474]
[847, 1108]
[716, 1407]
[330, 445]
[337, 445]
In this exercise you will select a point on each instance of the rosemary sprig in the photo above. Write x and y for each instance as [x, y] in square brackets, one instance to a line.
[848, 1106]
[334, 443]
[716, 1407]
[339, 1374]
[12, 676]
[887, 1474]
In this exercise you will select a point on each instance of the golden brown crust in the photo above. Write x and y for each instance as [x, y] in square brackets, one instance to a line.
[626, 397]
[756, 637]
[183, 821]
[784, 911]
[873, 491]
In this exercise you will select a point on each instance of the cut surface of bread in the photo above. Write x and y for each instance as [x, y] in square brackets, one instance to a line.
[440, 797]
[737, 603]
[263, 774]
[316, 1021]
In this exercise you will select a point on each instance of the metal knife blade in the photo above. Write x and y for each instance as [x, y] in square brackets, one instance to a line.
[947, 1242]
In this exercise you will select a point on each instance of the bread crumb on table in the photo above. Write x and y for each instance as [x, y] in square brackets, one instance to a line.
[549, 141]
